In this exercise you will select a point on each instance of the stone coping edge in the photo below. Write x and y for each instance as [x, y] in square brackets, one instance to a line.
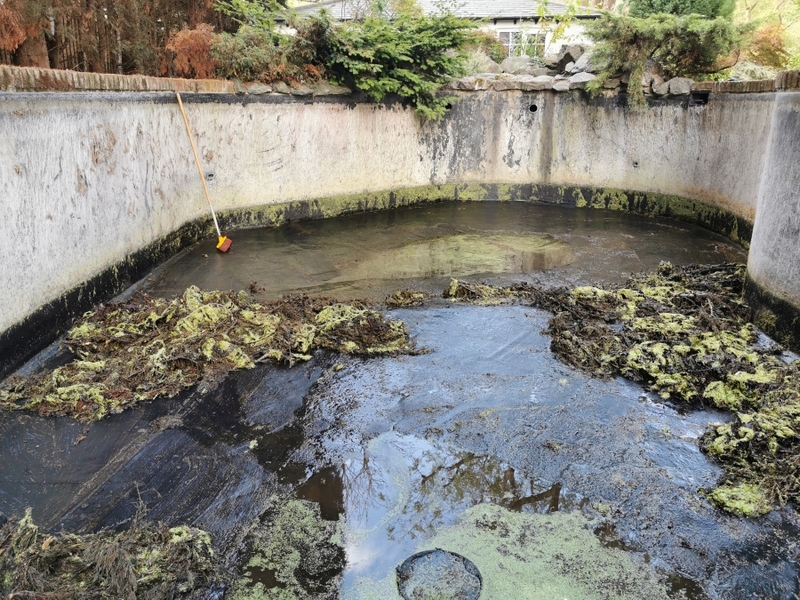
[23, 341]
[30, 79]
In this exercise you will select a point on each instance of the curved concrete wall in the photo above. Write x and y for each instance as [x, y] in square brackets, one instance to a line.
[773, 266]
[88, 180]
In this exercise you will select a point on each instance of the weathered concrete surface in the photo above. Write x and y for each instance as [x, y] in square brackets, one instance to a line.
[712, 153]
[90, 179]
[774, 262]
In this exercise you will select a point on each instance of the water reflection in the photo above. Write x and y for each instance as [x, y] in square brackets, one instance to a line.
[400, 490]
[364, 255]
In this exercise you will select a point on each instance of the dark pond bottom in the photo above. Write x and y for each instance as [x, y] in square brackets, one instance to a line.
[553, 484]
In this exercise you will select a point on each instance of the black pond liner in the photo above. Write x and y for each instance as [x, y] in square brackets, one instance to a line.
[438, 574]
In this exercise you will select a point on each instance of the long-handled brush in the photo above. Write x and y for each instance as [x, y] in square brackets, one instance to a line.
[224, 243]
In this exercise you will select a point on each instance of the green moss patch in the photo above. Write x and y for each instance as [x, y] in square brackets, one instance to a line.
[686, 333]
[147, 348]
[536, 557]
[148, 560]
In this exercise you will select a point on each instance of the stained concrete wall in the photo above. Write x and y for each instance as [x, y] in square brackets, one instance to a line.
[87, 179]
[774, 261]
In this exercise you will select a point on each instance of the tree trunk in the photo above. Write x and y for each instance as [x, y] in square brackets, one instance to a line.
[33, 52]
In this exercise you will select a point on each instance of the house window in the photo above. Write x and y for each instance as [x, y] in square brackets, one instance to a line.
[520, 43]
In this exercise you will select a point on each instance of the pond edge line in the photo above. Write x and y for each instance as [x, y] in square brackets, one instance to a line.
[24, 340]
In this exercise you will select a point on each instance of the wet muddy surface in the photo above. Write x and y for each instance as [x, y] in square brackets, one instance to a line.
[553, 484]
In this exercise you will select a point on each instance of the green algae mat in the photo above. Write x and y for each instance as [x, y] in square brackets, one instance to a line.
[147, 348]
[687, 334]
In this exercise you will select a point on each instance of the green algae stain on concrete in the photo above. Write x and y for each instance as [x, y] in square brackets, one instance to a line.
[536, 557]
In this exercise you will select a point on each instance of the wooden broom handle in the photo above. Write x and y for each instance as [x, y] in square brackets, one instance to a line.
[197, 161]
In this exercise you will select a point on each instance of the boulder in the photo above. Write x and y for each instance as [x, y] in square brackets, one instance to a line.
[551, 61]
[258, 88]
[661, 89]
[583, 64]
[513, 63]
[579, 80]
[612, 83]
[652, 73]
[561, 86]
[474, 83]
[568, 67]
[478, 62]
[302, 90]
[535, 84]
[326, 88]
[510, 83]
[281, 88]
[569, 53]
[239, 87]
[680, 86]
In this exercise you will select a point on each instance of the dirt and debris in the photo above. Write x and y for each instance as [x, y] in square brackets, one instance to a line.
[687, 334]
[146, 561]
[145, 348]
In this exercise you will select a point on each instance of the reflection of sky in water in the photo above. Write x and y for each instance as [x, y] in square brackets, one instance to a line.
[489, 416]
[402, 488]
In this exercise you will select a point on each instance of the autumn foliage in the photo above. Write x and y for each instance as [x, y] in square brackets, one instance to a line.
[768, 47]
[192, 52]
[11, 32]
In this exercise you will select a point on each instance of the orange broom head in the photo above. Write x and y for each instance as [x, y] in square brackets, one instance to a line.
[224, 243]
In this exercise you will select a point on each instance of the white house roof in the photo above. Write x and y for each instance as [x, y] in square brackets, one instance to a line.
[470, 9]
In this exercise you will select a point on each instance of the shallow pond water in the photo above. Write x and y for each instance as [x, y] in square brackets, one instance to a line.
[554, 484]
[370, 255]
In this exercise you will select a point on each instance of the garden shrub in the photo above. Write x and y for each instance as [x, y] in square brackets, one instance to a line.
[192, 49]
[409, 56]
[683, 45]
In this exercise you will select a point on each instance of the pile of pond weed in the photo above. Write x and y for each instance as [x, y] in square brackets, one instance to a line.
[145, 348]
[687, 334]
[406, 299]
[146, 561]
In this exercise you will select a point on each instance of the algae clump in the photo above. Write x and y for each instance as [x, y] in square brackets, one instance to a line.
[746, 499]
[147, 560]
[536, 557]
[302, 553]
[687, 334]
[145, 348]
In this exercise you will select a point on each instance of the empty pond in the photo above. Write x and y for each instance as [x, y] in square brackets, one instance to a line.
[320, 480]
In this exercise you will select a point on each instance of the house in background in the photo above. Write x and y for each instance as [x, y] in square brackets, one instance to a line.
[517, 24]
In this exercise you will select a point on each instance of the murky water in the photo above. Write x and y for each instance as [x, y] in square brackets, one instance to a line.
[490, 417]
[370, 255]
[554, 484]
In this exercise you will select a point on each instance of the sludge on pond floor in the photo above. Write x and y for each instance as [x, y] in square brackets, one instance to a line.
[403, 451]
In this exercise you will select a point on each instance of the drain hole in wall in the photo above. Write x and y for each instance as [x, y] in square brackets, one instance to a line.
[448, 106]
[698, 98]
[635, 164]
[533, 108]
[209, 177]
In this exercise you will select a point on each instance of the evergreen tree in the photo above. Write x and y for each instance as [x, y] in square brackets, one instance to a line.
[706, 8]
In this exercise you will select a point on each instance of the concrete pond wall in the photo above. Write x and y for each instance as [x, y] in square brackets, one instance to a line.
[97, 187]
